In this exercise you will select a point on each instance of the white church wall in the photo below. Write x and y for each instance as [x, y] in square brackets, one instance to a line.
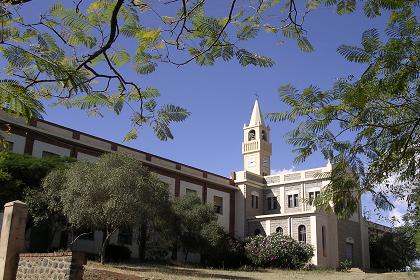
[240, 212]
[83, 156]
[187, 185]
[89, 246]
[17, 140]
[223, 218]
[314, 240]
[170, 181]
[40, 147]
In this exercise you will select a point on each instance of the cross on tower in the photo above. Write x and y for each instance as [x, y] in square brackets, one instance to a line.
[257, 96]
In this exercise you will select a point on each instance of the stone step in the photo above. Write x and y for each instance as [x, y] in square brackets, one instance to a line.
[356, 270]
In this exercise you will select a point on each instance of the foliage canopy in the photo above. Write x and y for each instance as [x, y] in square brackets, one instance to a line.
[112, 193]
[379, 112]
[78, 54]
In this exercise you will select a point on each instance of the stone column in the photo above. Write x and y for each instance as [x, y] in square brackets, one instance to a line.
[12, 239]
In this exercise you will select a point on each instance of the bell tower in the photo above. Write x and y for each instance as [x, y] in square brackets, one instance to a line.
[256, 147]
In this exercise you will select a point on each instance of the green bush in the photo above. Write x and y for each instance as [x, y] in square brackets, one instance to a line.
[278, 250]
[227, 253]
[345, 265]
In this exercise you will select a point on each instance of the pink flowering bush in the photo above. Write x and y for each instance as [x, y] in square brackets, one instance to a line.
[278, 250]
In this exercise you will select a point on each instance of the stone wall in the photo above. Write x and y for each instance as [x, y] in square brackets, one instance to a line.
[54, 266]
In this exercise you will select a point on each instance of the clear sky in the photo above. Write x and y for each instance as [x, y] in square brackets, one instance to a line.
[220, 97]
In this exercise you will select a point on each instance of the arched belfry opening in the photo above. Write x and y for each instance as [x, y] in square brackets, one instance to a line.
[251, 135]
[263, 135]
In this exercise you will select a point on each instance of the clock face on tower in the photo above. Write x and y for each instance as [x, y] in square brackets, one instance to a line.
[251, 162]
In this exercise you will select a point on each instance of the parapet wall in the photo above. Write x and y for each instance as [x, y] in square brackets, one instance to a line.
[57, 266]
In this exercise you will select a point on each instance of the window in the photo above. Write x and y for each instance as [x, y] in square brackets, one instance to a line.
[46, 154]
[271, 203]
[269, 206]
[190, 191]
[218, 204]
[279, 230]
[254, 201]
[263, 135]
[251, 135]
[293, 200]
[324, 242]
[312, 196]
[8, 146]
[257, 232]
[125, 235]
[302, 233]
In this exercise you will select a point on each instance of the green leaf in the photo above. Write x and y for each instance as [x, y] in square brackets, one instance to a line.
[346, 7]
[131, 135]
[354, 54]
[245, 58]
[370, 40]
[247, 32]
[120, 57]
[146, 68]
[304, 44]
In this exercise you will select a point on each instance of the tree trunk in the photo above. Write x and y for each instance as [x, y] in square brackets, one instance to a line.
[174, 255]
[142, 241]
[105, 244]
[186, 256]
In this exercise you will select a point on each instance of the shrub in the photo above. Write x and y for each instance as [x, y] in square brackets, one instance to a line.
[228, 253]
[345, 265]
[117, 253]
[278, 250]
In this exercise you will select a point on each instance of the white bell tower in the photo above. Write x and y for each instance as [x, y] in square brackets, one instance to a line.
[256, 147]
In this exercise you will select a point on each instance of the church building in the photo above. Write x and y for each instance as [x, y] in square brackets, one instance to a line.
[251, 202]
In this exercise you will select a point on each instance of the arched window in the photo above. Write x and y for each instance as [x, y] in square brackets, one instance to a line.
[302, 233]
[279, 230]
[263, 135]
[251, 135]
[257, 232]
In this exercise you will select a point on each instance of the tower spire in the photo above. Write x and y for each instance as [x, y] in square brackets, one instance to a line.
[257, 118]
[256, 147]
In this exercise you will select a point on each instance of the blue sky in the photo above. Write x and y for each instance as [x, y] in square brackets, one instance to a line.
[220, 97]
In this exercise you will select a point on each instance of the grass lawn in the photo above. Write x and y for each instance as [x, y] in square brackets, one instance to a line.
[95, 271]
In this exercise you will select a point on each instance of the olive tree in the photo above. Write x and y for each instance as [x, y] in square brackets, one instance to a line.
[114, 192]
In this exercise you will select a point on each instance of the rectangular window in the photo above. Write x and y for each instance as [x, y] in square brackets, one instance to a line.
[218, 204]
[324, 242]
[274, 202]
[317, 193]
[311, 197]
[125, 235]
[46, 154]
[290, 201]
[254, 201]
[295, 200]
[269, 203]
[190, 191]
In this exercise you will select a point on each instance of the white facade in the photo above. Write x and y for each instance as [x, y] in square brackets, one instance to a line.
[281, 203]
